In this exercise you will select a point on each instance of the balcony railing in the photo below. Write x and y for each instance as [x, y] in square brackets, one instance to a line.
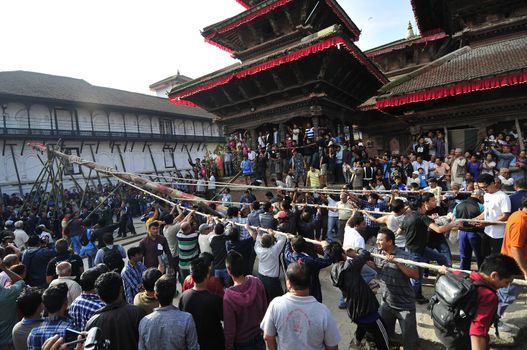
[39, 134]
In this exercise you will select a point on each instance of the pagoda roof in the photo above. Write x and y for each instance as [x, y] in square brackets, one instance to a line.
[430, 16]
[403, 43]
[237, 34]
[249, 3]
[178, 78]
[324, 73]
[466, 70]
[323, 40]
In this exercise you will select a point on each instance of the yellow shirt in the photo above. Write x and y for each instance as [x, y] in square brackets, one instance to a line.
[313, 177]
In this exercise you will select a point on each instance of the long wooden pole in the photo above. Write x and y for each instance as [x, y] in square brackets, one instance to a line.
[137, 180]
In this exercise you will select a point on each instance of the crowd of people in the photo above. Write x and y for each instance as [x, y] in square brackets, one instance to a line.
[412, 207]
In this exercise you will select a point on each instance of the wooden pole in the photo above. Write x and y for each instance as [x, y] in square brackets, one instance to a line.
[520, 136]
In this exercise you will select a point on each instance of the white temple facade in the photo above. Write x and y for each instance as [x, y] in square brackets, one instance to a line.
[128, 131]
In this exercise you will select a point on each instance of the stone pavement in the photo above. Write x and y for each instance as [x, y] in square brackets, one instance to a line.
[516, 316]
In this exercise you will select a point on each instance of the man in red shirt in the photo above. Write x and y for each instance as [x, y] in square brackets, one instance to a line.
[497, 271]
[515, 246]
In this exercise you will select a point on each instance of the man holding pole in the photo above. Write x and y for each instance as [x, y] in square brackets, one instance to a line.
[398, 298]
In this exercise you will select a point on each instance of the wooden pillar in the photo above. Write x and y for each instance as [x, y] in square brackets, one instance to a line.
[16, 170]
[447, 146]
[254, 138]
[315, 122]
[282, 131]
[520, 135]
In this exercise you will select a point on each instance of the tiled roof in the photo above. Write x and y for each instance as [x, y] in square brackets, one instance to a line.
[53, 87]
[465, 64]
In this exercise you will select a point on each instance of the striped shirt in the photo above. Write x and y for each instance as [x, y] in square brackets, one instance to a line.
[83, 308]
[132, 277]
[310, 133]
[188, 248]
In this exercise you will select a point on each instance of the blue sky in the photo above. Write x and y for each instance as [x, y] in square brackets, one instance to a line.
[131, 44]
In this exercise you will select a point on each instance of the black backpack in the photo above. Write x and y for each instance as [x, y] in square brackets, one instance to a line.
[113, 259]
[454, 303]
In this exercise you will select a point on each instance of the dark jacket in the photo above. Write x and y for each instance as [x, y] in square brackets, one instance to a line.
[346, 276]
[119, 322]
[314, 263]
[468, 209]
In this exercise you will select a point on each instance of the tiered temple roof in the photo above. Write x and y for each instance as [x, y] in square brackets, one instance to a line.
[298, 59]
[466, 70]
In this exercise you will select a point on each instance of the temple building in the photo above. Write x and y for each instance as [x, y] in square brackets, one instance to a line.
[464, 73]
[298, 62]
[128, 131]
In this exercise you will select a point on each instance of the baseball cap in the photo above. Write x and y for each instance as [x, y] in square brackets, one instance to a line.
[204, 227]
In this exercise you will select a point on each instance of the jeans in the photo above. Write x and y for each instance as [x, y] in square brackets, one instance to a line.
[407, 322]
[507, 296]
[91, 256]
[76, 243]
[227, 168]
[333, 222]
[443, 248]
[257, 343]
[427, 255]
[469, 242]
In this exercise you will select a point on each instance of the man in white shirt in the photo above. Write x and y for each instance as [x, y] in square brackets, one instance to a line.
[352, 233]
[297, 320]
[212, 185]
[497, 208]
[63, 270]
[200, 186]
[268, 253]
[420, 163]
[21, 236]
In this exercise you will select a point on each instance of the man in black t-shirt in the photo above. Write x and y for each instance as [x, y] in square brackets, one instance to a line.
[63, 254]
[206, 308]
[436, 241]
[217, 242]
[415, 227]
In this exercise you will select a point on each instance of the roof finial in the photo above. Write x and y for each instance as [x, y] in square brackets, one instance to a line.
[178, 72]
[410, 31]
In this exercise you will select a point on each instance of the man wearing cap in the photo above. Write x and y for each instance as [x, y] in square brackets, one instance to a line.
[21, 236]
[469, 235]
[203, 238]
[154, 245]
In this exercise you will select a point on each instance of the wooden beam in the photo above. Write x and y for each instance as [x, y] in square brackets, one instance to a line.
[16, 169]
[274, 25]
[264, 95]
[277, 81]
[290, 20]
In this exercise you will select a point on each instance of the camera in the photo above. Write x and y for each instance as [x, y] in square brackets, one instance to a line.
[92, 341]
